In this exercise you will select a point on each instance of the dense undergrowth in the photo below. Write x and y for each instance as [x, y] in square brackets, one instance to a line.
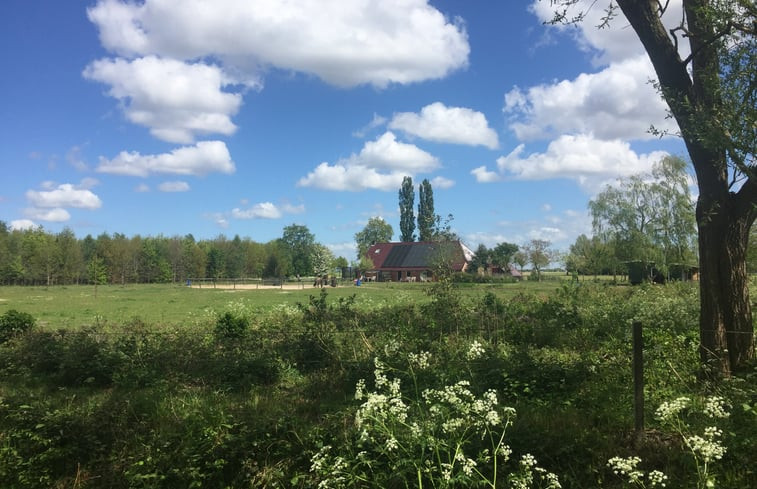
[252, 399]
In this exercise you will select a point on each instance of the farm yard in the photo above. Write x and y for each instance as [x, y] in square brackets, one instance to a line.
[170, 386]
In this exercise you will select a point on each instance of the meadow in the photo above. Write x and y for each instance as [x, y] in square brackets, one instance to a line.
[384, 385]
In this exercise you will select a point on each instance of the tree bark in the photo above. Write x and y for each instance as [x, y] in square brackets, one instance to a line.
[723, 217]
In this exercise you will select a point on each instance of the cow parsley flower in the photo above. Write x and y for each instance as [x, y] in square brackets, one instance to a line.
[475, 351]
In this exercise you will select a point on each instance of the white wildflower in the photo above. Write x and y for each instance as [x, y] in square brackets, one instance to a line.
[714, 407]
[669, 409]
[421, 360]
[475, 351]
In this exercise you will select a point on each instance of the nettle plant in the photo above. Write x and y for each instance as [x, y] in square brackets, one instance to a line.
[705, 448]
[435, 437]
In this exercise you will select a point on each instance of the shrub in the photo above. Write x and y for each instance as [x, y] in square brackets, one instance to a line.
[230, 326]
[13, 323]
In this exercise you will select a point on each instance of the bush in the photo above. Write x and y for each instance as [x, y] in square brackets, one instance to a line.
[230, 326]
[13, 323]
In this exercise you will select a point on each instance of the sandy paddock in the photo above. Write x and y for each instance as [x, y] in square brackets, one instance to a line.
[300, 286]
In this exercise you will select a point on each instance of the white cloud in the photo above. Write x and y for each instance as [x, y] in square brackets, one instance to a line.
[386, 153]
[343, 43]
[202, 158]
[381, 165]
[437, 122]
[592, 163]
[142, 188]
[56, 214]
[22, 224]
[177, 186]
[483, 175]
[267, 210]
[64, 195]
[176, 100]
[350, 178]
[442, 182]
[617, 102]
[263, 210]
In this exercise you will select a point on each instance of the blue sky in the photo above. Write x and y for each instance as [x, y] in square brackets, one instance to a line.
[242, 117]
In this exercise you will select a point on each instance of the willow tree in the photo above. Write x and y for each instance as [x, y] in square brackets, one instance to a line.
[711, 94]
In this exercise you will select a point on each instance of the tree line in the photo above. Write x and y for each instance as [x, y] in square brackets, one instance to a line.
[39, 257]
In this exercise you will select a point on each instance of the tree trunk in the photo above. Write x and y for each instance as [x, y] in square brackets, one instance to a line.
[725, 322]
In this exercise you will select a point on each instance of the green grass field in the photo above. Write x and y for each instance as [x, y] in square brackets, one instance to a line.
[171, 304]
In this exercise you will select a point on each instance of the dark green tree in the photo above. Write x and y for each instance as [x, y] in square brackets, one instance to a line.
[481, 260]
[376, 231]
[407, 215]
[298, 244]
[427, 218]
[502, 254]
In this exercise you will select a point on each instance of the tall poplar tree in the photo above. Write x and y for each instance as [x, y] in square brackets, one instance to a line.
[426, 215]
[407, 216]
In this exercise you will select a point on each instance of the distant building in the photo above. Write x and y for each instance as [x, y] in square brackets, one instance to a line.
[510, 271]
[415, 261]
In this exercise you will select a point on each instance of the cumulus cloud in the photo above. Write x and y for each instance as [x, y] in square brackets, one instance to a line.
[342, 43]
[64, 195]
[592, 163]
[177, 186]
[22, 224]
[380, 165]
[176, 100]
[202, 158]
[50, 203]
[442, 182]
[266, 210]
[56, 214]
[617, 102]
[483, 175]
[437, 122]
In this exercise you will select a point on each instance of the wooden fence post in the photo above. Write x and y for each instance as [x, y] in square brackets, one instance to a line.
[638, 381]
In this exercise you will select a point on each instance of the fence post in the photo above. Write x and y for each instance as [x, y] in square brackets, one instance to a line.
[638, 382]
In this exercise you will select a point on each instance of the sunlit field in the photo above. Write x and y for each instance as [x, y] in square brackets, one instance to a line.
[171, 304]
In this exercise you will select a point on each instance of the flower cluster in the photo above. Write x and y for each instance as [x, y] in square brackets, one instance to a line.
[714, 407]
[708, 447]
[435, 436]
[475, 351]
[421, 360]
[670, 409]
[627, 467]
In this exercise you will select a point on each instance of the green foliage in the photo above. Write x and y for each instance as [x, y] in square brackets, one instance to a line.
[375, 231]
[14, 323]
[407, 214]
[426, 215]
[210, 403]
[230, 326]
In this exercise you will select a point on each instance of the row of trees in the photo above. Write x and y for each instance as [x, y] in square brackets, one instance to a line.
[35, 256]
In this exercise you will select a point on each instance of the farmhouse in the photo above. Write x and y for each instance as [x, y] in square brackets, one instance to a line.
[415, 261]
